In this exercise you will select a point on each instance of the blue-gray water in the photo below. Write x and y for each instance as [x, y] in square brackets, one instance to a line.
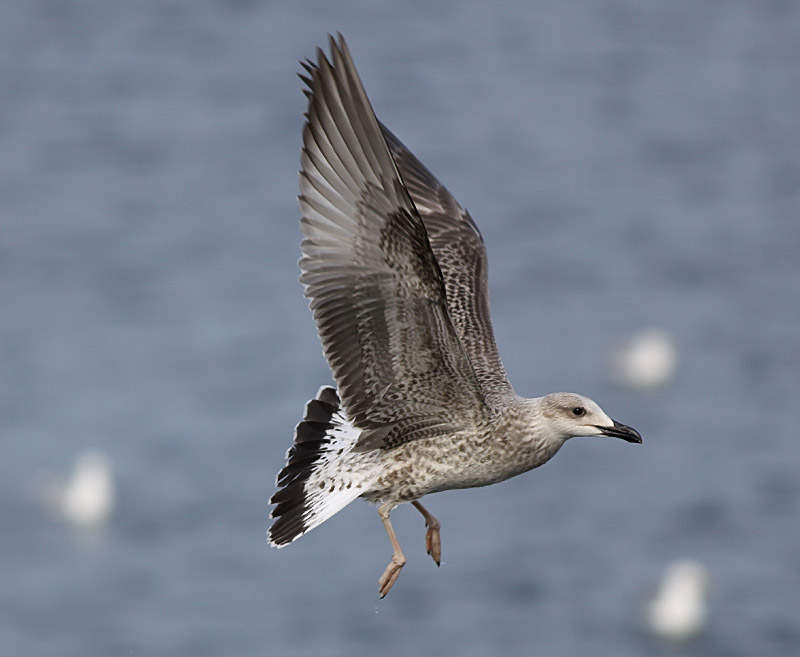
[630, 164]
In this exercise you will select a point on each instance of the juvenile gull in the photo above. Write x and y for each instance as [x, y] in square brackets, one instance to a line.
[396, 274]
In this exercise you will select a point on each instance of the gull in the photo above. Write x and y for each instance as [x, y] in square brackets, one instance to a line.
[646, 360]
[86, 500]
[396, 273]
[678, 610]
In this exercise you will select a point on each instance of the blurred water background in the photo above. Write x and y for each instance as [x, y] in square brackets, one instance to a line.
[630, 164]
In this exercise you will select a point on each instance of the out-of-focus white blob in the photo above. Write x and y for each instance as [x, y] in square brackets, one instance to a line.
[678, 610]
[87, 499]
[646, 360]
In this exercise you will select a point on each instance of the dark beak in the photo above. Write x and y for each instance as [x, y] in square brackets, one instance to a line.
[625, 432]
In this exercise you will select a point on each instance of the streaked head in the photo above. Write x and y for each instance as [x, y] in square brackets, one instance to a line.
[571, 415]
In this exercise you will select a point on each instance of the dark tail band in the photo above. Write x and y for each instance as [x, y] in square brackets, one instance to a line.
[310, 442]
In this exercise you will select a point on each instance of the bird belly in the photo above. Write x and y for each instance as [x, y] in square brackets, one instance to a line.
[450, 462]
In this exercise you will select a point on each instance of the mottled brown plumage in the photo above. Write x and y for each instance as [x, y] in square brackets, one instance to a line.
[396, 274]
[461, 254]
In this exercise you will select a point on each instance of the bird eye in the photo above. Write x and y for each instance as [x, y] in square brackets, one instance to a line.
[578, 411]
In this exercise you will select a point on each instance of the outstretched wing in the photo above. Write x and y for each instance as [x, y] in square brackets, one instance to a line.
[461, 254]
[376, 290]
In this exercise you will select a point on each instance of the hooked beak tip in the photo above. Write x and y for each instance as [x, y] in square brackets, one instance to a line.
[619, 430]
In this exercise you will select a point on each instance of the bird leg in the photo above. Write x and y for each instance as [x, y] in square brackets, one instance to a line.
[433, 539]
[392, 571]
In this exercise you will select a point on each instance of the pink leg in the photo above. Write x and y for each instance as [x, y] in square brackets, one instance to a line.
[433, 539]
[392, 571]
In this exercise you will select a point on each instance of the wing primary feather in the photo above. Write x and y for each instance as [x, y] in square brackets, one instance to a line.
[374, 285]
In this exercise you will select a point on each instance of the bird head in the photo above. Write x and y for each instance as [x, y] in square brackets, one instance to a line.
[569, 415]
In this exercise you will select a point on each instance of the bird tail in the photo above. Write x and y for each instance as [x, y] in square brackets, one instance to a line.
[311, 488]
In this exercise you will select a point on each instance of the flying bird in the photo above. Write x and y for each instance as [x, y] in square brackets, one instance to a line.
[396, 273]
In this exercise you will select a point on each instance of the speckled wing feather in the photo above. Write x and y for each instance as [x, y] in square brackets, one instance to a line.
[376, 290]
[461, 254]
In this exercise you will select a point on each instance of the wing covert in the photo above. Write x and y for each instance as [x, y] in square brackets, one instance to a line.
[375, 287]
[460, 251]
